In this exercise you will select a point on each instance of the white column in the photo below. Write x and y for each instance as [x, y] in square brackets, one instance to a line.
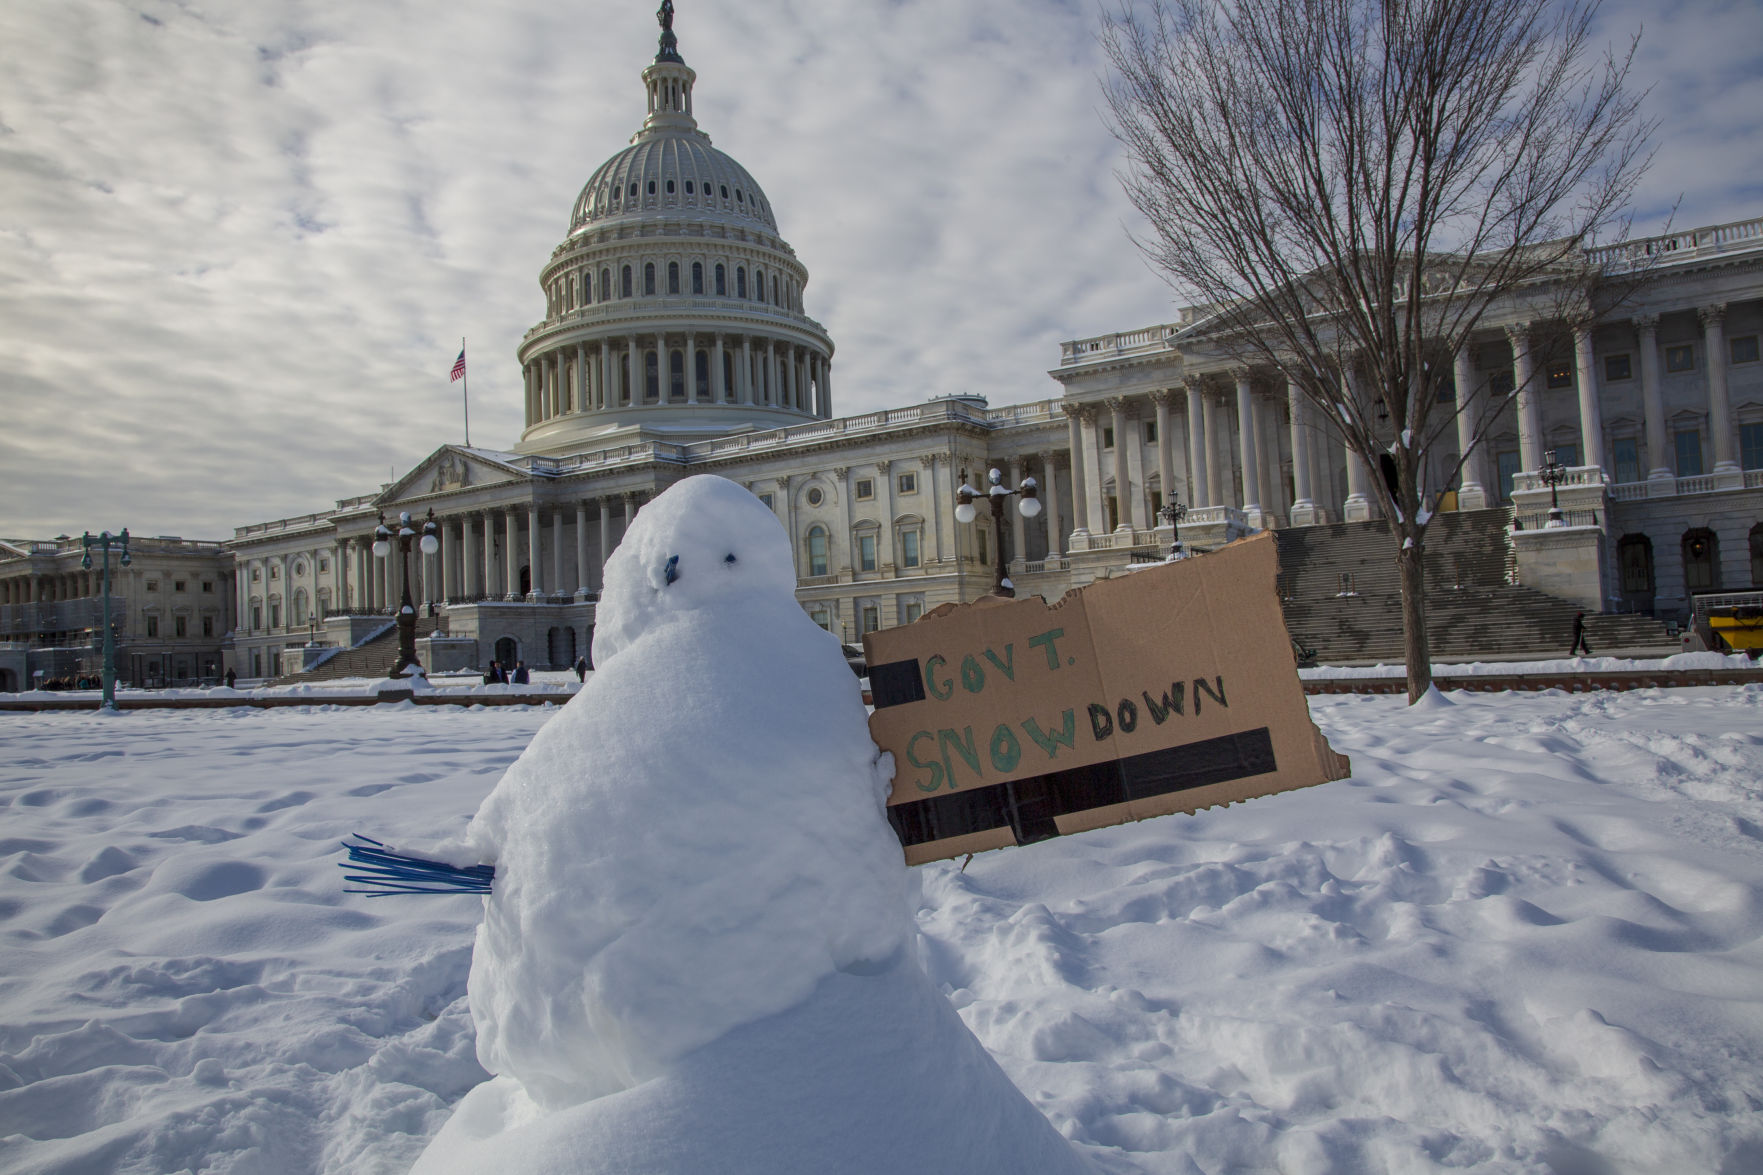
[1722, 428]
[794, 393]
[1018, 524]
[605, 541]
[557, 581]
[884, 477]
[581, 550]
[746, 372]
[718, 386]
[1138, 505]
[534, 561]
[1197, 495]
[1050, 504]
[511, 553]
[1473, 492]
[1088, 437]
[581, 378]
[935, 480]
[1267, 430]
[1304, 511]
[490, 584]
[1218, 463]
[1074, 441]
[1165, 450]
[1123, 487]
[1660, 459]
[1524, 377]
[1250, 456]
[1591, 416]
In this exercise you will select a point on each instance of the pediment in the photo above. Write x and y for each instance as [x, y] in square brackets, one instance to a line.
[452, 467]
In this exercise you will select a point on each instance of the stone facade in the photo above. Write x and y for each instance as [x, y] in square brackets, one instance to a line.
[171, 610]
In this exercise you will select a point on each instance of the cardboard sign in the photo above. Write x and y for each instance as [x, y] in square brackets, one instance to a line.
[1167, 690]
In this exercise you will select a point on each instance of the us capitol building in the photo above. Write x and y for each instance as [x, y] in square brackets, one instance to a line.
[676, 341]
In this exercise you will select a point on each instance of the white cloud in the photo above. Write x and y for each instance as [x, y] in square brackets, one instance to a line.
[239, 241]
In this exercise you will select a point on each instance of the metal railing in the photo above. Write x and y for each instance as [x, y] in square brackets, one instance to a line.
[1530, 522]
[1685, 246]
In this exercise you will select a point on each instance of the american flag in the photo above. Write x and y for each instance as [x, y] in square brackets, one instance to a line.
[458, 367]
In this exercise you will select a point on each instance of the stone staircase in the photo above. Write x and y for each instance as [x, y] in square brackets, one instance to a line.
[1342, 597]
[373, 657]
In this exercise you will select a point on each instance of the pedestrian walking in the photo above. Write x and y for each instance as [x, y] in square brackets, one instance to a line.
[581, 669]
[1579, 644]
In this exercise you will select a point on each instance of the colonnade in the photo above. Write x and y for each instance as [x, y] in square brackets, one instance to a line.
[483, 552]
[664, 368]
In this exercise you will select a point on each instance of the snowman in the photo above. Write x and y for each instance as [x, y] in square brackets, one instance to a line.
[698, 953]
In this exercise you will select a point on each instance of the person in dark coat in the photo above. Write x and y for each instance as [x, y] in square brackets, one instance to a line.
[231, 677]
[581, 669]
[1579, 644]
[493, 675]
[521, 677]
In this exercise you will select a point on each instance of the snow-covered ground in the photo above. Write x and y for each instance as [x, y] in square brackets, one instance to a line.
[1523, 936]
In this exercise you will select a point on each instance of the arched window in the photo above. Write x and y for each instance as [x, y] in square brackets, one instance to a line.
[1701, 560]
[673, 277]
[676, 375]
[605, 285]
[652, 377]
[740, 281]
[300, 606]
[759, 285]
[670, 187]
[725, 191]
[651, 187]
[624, 283]
[701, 377]
[649, 280]
[587, 283]
[721, 281]
[697, 277]
[816, 550]
[774, 300]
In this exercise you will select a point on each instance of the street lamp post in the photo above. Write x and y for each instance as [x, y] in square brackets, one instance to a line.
[103, 541]
[1553, 474]
[1173, 512]
[383, 538]
[1027, 502]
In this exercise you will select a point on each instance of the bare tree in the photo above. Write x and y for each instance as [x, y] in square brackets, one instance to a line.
[1349, 187]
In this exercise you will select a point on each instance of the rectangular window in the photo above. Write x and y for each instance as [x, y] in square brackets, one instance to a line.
[1508, 466]
[1107, 436]
[180, 626]
[208, 626]
[1680, 358]
[1689, 453]
[1751, 446]
[985, 549]
[208, 585]
[256, 574]
[866, 552]
[256, 617]
[1567, 455]
[1501, 383]
[152, 626]
[1618, 368]
[1627, 453]
[153, 585]
[766, 498]
[1743, 349]
[275, 615]
[912, 611]
[324, 565]
[1150, 432]
[1560, 374]
[909, 548]
[865, 489]
[1447, 391]
[822, 617]
[906, 483]
[871, 618]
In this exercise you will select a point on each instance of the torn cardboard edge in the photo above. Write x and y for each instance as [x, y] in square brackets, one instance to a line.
[1167, 690]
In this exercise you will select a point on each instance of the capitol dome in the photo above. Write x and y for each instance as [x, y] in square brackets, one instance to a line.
[673, 306]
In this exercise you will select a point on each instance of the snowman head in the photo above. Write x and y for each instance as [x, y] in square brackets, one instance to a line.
[705, 543]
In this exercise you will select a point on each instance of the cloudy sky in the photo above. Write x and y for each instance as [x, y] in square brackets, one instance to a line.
[240, 239]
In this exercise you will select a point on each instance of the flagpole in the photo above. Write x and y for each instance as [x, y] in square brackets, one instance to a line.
[465, 393]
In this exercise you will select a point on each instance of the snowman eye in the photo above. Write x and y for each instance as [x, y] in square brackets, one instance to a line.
[730, 558]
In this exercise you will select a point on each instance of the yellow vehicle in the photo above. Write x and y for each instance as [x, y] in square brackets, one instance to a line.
[1740, 629]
